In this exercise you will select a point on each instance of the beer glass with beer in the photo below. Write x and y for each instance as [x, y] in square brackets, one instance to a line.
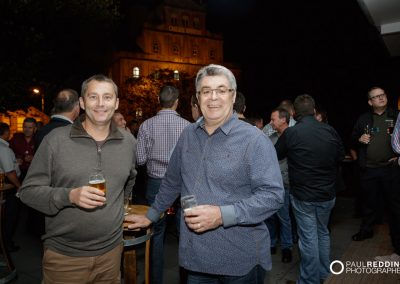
[98, 181]
[2, 178]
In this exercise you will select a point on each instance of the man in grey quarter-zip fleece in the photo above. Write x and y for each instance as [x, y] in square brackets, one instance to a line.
[83, 239]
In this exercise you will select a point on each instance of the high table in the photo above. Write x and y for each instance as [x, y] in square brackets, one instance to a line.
[11, 272]
[133, 238]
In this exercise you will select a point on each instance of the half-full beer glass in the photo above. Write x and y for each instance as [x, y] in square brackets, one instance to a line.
[98, 181]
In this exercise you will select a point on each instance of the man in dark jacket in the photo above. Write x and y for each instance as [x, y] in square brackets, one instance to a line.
[65, 111]
[313, 150]
[378, 165]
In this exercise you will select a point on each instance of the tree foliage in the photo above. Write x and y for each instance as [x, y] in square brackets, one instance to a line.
[141, 95]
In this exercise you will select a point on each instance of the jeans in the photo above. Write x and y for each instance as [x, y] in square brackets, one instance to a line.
[283, 217]
[255, 276]
[157, 240]
[314, 240]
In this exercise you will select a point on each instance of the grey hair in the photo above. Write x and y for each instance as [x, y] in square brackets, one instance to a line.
[215, 70]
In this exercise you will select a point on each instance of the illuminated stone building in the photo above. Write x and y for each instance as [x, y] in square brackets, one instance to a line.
[175, 38]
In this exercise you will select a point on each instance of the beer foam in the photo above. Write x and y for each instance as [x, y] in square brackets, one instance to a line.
[97, 181]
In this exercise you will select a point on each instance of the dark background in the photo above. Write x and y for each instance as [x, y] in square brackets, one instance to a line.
[326, 49]
[284, 48]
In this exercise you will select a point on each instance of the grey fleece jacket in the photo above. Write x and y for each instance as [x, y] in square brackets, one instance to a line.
[64, 161]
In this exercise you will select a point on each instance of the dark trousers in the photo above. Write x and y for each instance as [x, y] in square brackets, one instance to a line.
[255, 276]
[378, 182]
[157, 241]
[11, 211]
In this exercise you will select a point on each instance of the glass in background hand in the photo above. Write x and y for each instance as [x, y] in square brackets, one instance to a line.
[188, 201]
[127, 202]
[368, 131]
[98, 181]
[2, 179]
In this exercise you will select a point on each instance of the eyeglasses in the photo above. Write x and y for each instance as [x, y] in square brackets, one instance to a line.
[378, 96]
[207, 92]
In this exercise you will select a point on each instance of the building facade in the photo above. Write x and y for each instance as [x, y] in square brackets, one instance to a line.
[175, 38]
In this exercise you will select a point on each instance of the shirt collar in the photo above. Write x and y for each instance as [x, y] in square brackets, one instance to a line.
[61, 117]
[2, 141]
[77, 129]
[225, 128]
[167, 111]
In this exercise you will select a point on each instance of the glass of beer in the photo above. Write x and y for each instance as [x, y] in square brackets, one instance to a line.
[98, 181]
[2, 179]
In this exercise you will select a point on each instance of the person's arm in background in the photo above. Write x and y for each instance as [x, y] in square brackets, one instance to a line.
[353, 154]
[12, 177]
[143, 146]
[396, 136]
[281, 146]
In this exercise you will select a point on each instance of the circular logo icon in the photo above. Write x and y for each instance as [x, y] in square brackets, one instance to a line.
[340, 270]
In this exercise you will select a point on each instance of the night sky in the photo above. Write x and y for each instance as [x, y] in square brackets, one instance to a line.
[326, 49]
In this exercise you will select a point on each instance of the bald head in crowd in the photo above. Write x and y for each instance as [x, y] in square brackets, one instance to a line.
[66, 103]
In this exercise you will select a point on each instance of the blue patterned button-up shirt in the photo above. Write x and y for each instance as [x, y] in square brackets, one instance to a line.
[235, 168]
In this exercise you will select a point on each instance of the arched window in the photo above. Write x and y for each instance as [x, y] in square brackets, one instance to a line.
[135, 72]
[176, 75]
[156, 47]
[175, 49]
[195, 51]
[185, 21]
[212, 54]
[196, 23]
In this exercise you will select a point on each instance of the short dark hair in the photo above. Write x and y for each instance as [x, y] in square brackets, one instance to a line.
[283, 113]
[99, 78]
[65, 101]
[240, 103]
[304, 105]
[194, 101]
[168, 95]
[372, 89]
[3, 128]
[30, 120]
[288, 105]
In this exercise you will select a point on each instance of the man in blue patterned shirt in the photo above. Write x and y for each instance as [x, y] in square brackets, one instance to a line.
[156, 139]
[232, 169]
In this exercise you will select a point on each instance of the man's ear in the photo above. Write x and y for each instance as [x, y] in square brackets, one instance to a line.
[81, 103]
[117, 104]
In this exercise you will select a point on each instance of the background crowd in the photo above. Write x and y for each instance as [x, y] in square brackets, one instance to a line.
[259, 187]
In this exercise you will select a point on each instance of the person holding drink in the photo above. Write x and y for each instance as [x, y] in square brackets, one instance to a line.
[378, 167]
[83, 222]
[232, 169]
[23, 145]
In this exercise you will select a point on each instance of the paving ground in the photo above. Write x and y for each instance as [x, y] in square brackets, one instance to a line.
[343, 224]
